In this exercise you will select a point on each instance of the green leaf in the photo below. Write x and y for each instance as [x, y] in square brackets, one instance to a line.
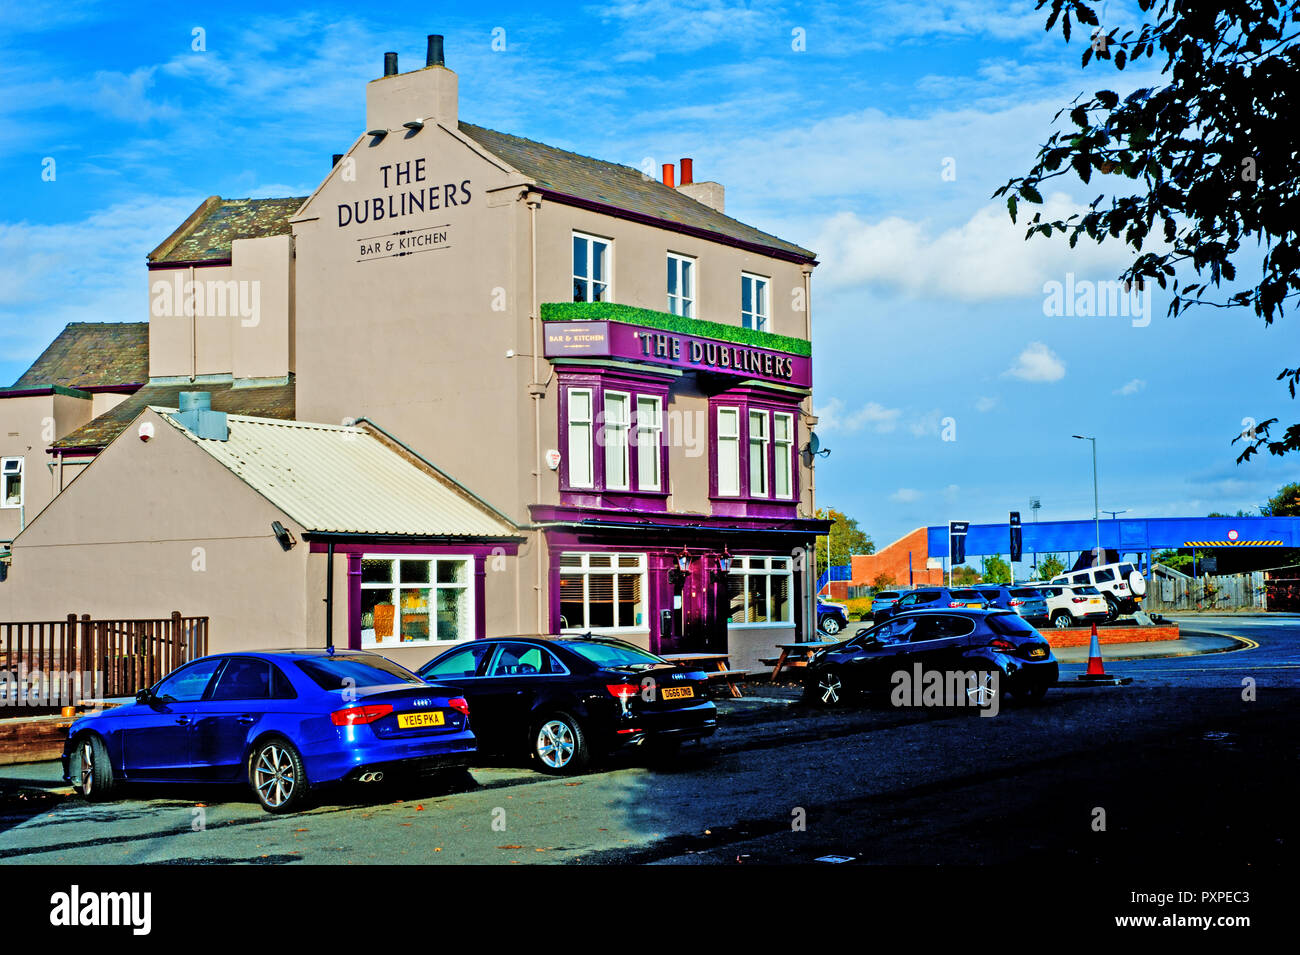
[1011, 207]
[1030, 194]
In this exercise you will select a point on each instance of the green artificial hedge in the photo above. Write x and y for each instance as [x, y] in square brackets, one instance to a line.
[667, 322]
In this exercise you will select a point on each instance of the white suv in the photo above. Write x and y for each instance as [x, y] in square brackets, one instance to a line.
[1122, 585]
[1070, 605]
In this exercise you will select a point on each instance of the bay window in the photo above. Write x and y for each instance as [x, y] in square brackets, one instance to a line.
[591, 268]
[754, 449]
[415, 600]
[649, 439]
[782, 454]
[760, 591]
[681, 285]
[602, 591]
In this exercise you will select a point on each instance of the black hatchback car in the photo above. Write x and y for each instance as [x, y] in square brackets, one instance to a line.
[932, 598]
[997, 642]
[568, 699]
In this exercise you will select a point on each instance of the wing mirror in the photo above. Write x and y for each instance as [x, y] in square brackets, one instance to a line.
[144, 696]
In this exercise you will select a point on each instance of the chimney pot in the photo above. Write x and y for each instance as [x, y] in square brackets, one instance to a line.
[390, 64]
[669, 175]
[688, 171]
[434, 57]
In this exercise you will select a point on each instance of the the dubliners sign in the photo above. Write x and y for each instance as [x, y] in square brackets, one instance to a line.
[633, 343]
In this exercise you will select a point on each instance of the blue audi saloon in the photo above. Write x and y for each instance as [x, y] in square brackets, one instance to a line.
[283, 721]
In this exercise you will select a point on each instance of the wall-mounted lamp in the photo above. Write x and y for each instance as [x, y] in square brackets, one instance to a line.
[679, 573]
[282, 535]
[724, 561]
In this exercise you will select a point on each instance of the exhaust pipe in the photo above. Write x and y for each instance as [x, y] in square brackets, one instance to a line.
[372, 777]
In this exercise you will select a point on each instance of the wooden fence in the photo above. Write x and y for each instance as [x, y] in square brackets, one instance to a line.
[1168, 592]
[44, 664]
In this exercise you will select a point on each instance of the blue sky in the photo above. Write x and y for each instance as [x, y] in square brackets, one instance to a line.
[928, 304]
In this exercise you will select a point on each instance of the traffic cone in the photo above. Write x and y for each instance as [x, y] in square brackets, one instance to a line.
[1095, 669]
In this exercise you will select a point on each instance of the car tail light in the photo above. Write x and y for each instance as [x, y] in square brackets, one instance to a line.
[459, 704]
[358, 715]
[998, 643]
[624, 691]
[1016, 603]
[955, 603]
[1121, 586]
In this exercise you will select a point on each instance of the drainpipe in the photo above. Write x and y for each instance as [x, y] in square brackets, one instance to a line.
[194, 330]
[810, 598]
[329, 597]
[536, 389]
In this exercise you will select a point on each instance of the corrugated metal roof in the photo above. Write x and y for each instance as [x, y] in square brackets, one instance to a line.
[345, 480]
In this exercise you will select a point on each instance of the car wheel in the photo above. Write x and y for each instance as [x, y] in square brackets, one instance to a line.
[1112, 609]
[988, 684]
[276, 774]
[826, 688]
[92, 772]
[1062, 619]
[560, 746]
[830, 625]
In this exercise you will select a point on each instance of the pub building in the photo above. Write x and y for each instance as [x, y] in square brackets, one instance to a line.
[608, 374]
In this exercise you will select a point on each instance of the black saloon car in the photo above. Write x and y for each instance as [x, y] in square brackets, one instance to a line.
[988, 641]
[568, 699]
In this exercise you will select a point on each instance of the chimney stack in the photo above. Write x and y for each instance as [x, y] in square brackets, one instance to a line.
[669, 173]
[430, 94]
[710, 194]
[688, 172]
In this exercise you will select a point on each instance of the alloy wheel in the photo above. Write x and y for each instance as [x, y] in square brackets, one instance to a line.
[829, 688]
[555, 744]
[274, 776]
[87, 767]
[831, 625]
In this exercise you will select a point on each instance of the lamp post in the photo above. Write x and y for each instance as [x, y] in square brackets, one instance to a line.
[1096, 500]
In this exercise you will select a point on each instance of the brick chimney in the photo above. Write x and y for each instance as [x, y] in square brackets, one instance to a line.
[710, 194]
[429, 94]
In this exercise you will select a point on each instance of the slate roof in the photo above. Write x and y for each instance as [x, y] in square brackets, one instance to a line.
[620, 186]
[344, 480]
[92, 354]
[206, 235]
[264, 401]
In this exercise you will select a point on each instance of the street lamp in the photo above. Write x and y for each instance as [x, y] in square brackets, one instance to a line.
[1096, 500]
[1114, 514]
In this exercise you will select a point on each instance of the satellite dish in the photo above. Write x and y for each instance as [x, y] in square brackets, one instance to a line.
[814, 443]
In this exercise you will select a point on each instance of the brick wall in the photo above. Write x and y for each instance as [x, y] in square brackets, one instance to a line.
[892, 560]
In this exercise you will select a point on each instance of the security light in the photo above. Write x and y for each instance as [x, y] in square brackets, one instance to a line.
[414, 125]
[282, 535]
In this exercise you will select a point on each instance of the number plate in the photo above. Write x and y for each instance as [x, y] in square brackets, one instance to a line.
[1038, 652]
[410, 721]
[676, 692]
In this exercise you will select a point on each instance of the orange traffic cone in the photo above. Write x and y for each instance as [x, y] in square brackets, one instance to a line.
[1095, 669]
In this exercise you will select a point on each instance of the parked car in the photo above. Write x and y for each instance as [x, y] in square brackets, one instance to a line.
[882, 600]
[996, 641]
[1074, 605]
[831, 617]
[1024, 599]
[284, 722]
[933, 598]
[1121, 584]
[566, 700]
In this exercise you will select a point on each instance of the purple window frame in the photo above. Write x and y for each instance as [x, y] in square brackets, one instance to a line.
[635, 387]
[745, 402]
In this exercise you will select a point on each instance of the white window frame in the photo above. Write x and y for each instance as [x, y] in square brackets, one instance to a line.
[759, 444]
[783, 456]
[396, 587]
[614, 438]
[13, 467]
[741, 567]
[580, 432]
[758, 318]
[608, 295]
[685, 269]
[586, 572]
[728, 441]
[649, 443]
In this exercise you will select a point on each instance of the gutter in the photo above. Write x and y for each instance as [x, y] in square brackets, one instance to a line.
[433, 467]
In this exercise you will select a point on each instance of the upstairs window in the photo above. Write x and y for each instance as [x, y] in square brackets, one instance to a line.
[11, 474]
[753, 301]
[681, 285]
[580, 457]
[614, 434]
[591, 268]
[649, 440]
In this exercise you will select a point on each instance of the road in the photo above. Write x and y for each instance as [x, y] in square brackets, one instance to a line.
[1178, 765]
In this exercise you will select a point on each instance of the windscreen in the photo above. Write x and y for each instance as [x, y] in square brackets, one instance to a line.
[335, 673]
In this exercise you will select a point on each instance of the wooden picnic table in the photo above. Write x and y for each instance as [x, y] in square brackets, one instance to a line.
[803, 651]
[720, 663]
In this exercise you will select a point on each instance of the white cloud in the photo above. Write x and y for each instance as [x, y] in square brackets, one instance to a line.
[1037, 363]
[985, 403]
[905, 495]
[1131, 388]
[873, 416]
